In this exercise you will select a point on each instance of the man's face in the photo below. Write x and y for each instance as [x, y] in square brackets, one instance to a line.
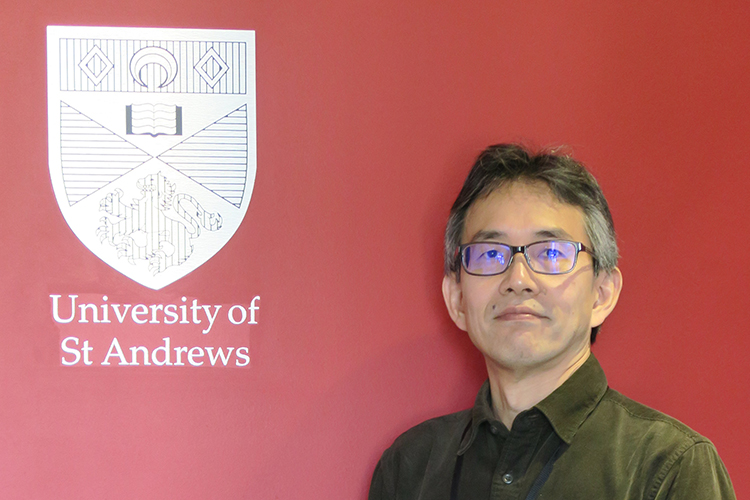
[520, 319]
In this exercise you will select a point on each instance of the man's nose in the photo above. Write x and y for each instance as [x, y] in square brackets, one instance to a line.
[519, 278]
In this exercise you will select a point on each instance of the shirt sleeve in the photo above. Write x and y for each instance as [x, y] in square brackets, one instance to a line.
[376, 485]
[382, 484]
[699, 474]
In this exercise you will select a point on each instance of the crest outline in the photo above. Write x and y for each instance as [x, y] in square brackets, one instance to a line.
[152, 143]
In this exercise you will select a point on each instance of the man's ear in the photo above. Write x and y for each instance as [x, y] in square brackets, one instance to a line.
[454, 301]
[607, 287]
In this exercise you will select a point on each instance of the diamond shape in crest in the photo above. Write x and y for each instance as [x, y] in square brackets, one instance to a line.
[102, 65]
[211, 67]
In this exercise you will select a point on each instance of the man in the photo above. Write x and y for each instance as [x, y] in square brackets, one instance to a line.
[530, 274]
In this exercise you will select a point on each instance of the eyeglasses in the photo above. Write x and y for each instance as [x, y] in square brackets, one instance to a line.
[488, 258]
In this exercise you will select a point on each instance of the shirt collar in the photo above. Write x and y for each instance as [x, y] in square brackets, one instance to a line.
[566, 408]
[571, 403]
[481, 412]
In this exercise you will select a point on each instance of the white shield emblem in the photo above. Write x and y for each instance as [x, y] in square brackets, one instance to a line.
[151, 142]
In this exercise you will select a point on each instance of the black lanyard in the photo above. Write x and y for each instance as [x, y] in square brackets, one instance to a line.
[535, 488]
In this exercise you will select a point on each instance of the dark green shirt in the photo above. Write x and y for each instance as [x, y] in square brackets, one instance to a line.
[613, 449]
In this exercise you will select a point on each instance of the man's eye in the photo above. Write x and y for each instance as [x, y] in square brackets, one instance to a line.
[492, 255]
[551, 254]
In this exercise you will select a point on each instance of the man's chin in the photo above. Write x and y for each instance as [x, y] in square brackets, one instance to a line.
[519, 355]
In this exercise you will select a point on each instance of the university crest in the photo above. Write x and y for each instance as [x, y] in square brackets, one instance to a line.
[151, 143]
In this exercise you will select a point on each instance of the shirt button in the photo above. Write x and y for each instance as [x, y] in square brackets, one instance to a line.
[493, 429]
[507, 478]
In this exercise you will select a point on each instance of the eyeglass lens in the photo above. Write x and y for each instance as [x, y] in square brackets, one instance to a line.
[548, 257]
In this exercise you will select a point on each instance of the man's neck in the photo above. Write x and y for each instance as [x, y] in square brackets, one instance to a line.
[514, 391]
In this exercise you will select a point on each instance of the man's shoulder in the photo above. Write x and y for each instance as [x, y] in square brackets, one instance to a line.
[421, 460]
[440, 431]
[644, 430]
[624, 444]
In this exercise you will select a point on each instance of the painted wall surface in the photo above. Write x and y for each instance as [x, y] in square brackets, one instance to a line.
[369, 115]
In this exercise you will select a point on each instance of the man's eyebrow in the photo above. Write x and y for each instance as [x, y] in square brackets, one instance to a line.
[556, 233]
[549, 233]
[485, 234]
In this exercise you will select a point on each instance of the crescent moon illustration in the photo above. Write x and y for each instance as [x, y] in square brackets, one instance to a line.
[153, 55]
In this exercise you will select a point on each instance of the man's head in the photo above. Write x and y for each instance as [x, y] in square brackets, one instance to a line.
[545, 303]
[568, 180]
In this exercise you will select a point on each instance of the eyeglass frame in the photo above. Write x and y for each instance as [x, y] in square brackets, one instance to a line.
[579, 247]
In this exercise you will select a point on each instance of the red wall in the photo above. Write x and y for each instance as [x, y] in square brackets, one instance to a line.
[369, 115]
